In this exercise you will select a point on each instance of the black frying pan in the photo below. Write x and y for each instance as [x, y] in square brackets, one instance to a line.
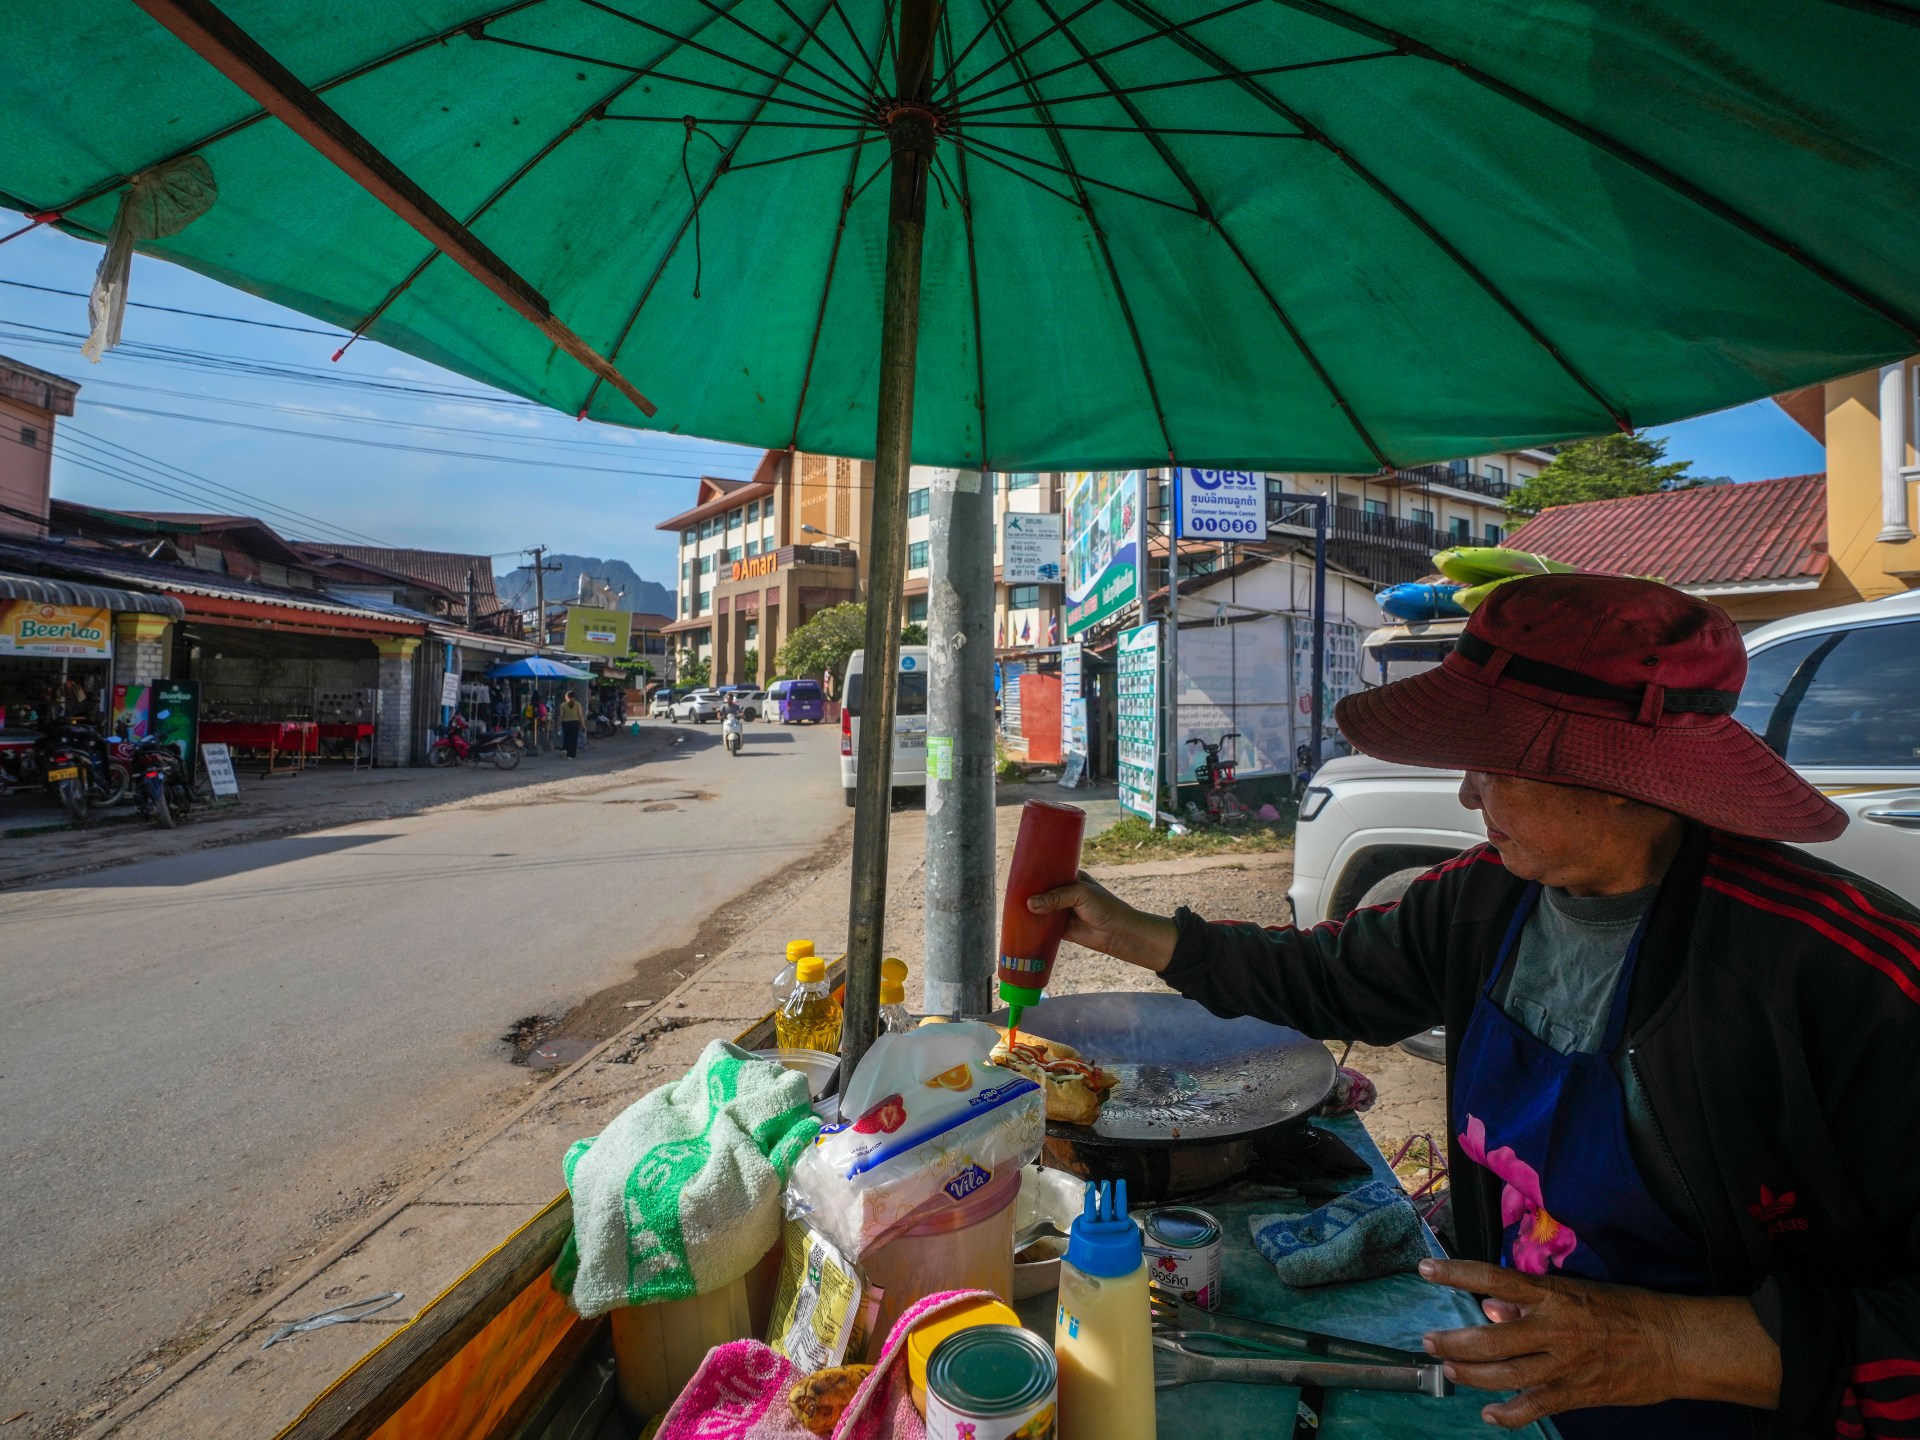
[1199, 1097]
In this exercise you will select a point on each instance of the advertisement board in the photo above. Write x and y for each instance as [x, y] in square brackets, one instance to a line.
[1030, 549]
[1073, 704]
[1105, 540]
[132, 711]
[176, 716]
[1221, 504]
[593, 631]
[218, 760]
[1138, 662]
[30, 628]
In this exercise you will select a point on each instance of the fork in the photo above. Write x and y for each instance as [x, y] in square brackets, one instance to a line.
[1173, 1312]
[1176, 1361]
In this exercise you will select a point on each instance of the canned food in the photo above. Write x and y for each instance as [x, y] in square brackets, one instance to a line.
[1183, 1253]
[992, 1382]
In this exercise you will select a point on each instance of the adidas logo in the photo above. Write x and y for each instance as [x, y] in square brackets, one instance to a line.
[1775, 1212]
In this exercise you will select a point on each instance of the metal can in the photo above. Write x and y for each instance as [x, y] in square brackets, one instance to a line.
[1183, 1253]
[992, 1382]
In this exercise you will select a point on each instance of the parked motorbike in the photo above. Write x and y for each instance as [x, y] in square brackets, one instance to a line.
[76, 765]
[459, 744]
[162, 788]
[600, 725]
[733, 732]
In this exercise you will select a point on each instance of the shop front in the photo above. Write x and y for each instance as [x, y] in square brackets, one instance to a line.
[64, 647]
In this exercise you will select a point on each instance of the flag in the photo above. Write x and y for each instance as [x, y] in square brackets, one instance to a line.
[1053, 627]
[1000, 635]
[1026, 632]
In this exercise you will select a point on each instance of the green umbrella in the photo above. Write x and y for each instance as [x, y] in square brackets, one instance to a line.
[1271, 233]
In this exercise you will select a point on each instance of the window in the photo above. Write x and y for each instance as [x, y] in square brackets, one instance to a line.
[917, 609]
[1496, 473]
[1839, 697]
[753, 548]
[753, 511]
[707, 527]
[1023, 597]
[706, 599]
[1374, 507]
[1460, 529]
[735, 519]
[1495, 533]
[1423, 517]
[1022, 480]
[686, 569]
[706, 564]
[688, 537]
[1459, 467]
[910, 695]
[29, 436]
[917, 555]
[919, 502]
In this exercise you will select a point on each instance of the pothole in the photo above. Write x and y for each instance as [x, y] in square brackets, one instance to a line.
[526, 1033]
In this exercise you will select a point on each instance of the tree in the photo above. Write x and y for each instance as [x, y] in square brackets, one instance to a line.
[694, 669]
[823, 645]
[1607, 468]
[750, 664]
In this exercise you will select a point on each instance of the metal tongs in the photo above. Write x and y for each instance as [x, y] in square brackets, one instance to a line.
[1192, 1345]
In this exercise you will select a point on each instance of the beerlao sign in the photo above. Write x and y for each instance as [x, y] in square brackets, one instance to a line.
[30, 628]
[756, 566]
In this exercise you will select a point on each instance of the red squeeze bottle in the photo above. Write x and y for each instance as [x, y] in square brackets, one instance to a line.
[1046, 855]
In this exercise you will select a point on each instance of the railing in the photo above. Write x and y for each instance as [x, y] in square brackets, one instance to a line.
[1466, 480]
[1383, 548]
[815, 555]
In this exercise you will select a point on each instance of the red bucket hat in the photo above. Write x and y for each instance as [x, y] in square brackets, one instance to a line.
[1620, 685]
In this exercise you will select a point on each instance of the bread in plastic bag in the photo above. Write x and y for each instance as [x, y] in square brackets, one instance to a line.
[930, 1116]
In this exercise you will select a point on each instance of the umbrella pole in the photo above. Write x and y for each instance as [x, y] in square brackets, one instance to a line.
[910, 129]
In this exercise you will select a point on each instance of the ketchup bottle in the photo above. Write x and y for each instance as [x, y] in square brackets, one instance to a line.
[1045, 856]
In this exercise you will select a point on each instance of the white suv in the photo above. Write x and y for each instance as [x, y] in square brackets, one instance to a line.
[1835, 691]
[696, 705]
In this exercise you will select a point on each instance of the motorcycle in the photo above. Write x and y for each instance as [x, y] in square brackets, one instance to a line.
[458, 744]
[162, 789]
[600, 725]
[733, 733]
[75, 764]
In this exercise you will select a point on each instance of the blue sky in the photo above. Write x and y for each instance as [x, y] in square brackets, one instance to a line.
[528, 476]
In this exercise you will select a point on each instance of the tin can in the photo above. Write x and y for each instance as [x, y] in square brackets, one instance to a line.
[1183, 1253]
[992, 1382]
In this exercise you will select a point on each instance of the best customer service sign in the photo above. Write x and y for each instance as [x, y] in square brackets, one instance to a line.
[1222, 504]
[29, 628]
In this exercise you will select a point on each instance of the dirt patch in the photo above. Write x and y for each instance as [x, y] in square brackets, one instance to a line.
[524, 1035]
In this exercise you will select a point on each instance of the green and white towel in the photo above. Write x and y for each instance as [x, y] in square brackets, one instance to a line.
[681, 1194]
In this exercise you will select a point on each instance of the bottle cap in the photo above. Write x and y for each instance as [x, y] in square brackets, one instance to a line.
[1104, 1241]
[797, 948]
[1020, 996]
[925, 1337]
[809, 969]
[893, 969]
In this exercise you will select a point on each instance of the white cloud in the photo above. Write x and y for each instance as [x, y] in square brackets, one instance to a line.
[486, 414]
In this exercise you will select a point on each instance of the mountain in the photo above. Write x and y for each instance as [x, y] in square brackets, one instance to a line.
[515, 586]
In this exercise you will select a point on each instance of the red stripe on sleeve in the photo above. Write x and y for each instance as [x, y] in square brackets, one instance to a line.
[1863, 915]
[1869, 1371]
[1839, 937]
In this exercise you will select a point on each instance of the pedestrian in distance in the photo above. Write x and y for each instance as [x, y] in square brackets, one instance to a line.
[571, 716]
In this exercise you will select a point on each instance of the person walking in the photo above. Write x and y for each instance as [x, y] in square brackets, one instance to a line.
[571, 716]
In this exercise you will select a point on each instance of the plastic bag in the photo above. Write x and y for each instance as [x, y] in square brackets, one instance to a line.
[930, 1116]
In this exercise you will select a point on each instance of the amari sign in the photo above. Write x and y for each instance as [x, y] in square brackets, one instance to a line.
[29, 628]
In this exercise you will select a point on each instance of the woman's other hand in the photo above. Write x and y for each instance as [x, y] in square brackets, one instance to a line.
[1101, 921]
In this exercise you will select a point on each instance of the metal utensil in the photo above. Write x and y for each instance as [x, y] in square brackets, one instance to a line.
[1173, 1313]
[1177, 1360]
[1041, 1229]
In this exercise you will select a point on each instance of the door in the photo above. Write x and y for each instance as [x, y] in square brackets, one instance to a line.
[1843, 707]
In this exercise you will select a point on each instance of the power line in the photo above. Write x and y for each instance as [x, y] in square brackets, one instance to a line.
[336, 334]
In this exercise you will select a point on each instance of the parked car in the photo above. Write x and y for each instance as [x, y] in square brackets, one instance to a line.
[698, 706]
[909, 724]
[794, 701]
[1837, 692]
[752, 702]
[661, 706]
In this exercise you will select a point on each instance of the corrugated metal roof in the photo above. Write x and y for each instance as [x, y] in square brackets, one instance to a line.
[1716, 535]
[442, 568]
[65, 592]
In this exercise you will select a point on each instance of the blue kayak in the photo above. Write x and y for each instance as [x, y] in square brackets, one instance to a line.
[1419, 600]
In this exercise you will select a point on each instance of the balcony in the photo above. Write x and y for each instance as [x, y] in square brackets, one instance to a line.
[815, 555]
[1445, 474]
[1383, 548]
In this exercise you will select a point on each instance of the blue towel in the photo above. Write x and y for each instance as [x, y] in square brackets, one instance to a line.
[1368, 1232]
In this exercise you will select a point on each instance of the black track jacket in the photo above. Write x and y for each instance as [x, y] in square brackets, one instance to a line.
[1773, 1031]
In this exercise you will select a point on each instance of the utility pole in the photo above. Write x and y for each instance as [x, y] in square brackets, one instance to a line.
[471, 582]
[540, 572]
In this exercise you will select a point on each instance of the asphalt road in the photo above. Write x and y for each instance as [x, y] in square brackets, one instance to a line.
[209, 1063]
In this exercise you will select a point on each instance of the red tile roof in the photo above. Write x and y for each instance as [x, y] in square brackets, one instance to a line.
[442, 569]
[1763, 530]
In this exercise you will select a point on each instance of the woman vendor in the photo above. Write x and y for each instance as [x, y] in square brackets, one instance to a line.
[1683, 1058]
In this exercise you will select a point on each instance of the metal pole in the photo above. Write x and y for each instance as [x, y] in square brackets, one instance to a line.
[910, 130]
[1319, 630]
[1173, 644]
[960, 921]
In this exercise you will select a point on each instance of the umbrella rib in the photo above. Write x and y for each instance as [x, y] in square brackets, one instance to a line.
[854, 36]
[410, 49]
[1157, 34]
[954, 63]
[1100, 238]
[803, 154]
[1033, 180]
[835, 55]
[793, 57]
[1233, 75]
[1446, 247]
[996, 21]
[719, 169]
[1627, 155]
[1180, 173]
[1882, 9]
[1126, 129]
[974, 140]
[973, 263]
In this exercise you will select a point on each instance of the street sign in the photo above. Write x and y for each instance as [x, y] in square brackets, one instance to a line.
[218, 760]
[1222, 504]
[1030, 548]
[1138, 661]
[450, 690]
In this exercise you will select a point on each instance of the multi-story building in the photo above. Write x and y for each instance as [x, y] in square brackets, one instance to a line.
[30, 403]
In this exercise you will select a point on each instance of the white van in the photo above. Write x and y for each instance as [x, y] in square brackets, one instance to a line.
[909, 722]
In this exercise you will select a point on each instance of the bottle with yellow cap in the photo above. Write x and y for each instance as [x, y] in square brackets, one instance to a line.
[810, 1020]
[894, 1019]
[784, 981]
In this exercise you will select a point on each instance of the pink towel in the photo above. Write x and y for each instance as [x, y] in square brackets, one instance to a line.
[740, 1391]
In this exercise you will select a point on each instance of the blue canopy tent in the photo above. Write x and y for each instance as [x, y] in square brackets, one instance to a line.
[537, 667]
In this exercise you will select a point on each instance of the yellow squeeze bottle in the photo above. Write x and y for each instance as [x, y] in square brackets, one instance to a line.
[810, 1019]
[1103, 1332]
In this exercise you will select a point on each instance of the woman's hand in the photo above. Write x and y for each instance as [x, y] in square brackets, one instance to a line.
[1567, 1344]
[1101, 921]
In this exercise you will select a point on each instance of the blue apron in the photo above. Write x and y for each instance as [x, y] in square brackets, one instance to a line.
[1553, 1129]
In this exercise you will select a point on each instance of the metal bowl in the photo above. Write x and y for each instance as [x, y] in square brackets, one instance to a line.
[1044, 1195]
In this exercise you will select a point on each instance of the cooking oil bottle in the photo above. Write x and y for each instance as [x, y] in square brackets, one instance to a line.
[894, 1019]
[810, 1020]
[784, 981]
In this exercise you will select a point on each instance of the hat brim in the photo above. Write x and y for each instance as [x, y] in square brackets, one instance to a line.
[1710, 769]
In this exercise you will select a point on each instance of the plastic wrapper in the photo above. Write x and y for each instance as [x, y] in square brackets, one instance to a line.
[817, 1302]
[931, 1116]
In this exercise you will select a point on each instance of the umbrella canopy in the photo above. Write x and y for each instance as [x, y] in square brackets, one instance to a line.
[1280, 233]
[537, 667]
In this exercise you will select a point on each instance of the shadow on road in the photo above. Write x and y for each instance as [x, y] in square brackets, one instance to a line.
[197, 869]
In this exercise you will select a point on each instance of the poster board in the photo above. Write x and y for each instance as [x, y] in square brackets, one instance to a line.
[218, 760]
[176, 716]
[450, 690]
[1105, 539]
[1138, 657]
[1073, 705]
[1221, 504]
[76, 631]
[592, 630]
[1030, 548]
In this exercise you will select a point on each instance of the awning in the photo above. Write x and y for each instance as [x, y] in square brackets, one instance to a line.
[93, 597]
[538, 667]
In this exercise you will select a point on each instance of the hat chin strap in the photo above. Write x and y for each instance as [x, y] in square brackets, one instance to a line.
[1650, 701]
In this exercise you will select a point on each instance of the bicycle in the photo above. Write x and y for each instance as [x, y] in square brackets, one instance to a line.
[1223, 806]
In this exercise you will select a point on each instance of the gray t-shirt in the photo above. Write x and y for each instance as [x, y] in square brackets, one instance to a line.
[1560, 982]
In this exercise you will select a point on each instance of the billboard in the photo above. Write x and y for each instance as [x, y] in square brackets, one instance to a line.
[1137, 660]
[30, 628]
[1221, 504]
[1105, 539]
[592, 631]
[1030, 549]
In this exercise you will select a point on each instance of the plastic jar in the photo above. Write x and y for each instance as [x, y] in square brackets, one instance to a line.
[947, 1244]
